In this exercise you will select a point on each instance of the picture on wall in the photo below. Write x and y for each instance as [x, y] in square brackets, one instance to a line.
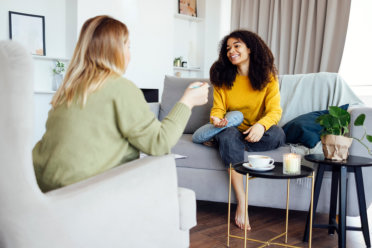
[29, 30]
[187, 7]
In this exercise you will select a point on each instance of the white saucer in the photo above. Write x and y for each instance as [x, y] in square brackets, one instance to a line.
[266, 168]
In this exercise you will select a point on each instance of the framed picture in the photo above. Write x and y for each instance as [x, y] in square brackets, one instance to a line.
[187, 7]
[29, 30]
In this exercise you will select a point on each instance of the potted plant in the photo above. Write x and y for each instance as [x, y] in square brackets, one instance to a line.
[335, 126]
[177, 61]
[58, 69]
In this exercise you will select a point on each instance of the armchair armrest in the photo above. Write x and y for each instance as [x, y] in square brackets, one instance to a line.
[135, 204]
[187, 208]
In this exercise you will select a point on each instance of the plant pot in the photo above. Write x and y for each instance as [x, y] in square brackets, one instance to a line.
[57, 80]
[336, 147]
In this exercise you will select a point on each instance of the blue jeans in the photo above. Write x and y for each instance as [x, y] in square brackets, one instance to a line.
[208, 131]
[231, 143]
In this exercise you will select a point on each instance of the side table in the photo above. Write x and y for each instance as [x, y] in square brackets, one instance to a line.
[276, 173]
[339, 171]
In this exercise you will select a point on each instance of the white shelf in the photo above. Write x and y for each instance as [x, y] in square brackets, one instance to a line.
[186, 68]
[44, 92]
[49, 58]
[187, 17]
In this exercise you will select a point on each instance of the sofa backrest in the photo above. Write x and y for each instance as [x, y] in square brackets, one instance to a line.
[300, 94]
[173, 90]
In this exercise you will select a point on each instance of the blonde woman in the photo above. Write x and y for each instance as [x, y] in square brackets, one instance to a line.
[99, 119]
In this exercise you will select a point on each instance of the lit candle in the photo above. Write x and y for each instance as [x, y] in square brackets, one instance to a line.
[291, 163]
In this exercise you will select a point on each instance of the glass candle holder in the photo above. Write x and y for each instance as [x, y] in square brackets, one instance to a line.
[291, 164]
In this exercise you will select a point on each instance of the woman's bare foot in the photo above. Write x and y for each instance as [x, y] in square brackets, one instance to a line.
[239, 217]
[211, 143]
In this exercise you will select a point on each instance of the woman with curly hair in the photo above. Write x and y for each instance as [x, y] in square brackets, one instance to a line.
[246, 105]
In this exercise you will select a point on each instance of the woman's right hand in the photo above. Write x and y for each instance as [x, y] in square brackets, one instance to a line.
[196, 94]
[217, 122]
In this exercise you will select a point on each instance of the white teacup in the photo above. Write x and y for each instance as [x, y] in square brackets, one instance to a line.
[260, 161]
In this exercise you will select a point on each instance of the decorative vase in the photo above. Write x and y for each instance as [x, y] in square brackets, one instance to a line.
[336, 147]
[57, 80]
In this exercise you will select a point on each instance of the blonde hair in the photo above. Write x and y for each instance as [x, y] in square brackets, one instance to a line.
[99, 53]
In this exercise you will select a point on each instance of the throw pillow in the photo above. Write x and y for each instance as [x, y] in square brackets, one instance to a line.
[304, 130]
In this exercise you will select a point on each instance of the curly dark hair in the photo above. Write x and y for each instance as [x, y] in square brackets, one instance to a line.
[261, 62]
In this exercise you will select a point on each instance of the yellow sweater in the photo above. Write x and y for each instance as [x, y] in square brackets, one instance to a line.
[257, 106]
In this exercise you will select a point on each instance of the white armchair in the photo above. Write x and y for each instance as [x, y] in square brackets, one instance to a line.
[137, 204]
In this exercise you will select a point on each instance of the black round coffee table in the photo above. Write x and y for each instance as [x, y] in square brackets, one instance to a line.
[339, 171]
[276, 173]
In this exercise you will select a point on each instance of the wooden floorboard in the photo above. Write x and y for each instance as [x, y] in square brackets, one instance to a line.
[211, 231]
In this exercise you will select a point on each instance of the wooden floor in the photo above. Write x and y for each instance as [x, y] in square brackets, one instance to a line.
[266, 223]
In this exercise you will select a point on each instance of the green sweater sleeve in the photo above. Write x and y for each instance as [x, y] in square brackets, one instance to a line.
[142, 129]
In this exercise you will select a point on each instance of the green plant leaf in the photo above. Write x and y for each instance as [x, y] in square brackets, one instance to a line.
[337, 111]
[359, 121]
[319, 119]
[344, 120]
[369, 138]
[345, 130]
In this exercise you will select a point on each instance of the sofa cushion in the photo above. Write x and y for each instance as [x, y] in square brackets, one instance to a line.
[304, 130]
[174, 88]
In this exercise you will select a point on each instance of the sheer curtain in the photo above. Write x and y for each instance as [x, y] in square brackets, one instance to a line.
[304, 36]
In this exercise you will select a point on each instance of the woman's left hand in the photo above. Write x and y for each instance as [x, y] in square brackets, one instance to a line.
[255, 133]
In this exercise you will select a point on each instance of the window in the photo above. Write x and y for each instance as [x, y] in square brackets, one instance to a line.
[356, 64]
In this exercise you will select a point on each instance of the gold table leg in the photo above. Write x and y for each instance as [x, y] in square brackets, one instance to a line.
[270, 241]
[246, 210]
[228, 213]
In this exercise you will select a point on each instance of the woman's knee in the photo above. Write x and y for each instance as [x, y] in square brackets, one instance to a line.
[235, 118]
[277, 135]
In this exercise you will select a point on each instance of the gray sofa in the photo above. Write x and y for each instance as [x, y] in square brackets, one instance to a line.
[202, 170]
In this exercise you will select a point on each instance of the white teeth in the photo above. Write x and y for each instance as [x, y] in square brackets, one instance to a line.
[234, 56]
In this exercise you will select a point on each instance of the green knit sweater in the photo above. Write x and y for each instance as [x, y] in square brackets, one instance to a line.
[114, 125]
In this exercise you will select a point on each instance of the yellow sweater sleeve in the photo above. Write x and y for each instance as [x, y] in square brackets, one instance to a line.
[273, 111]
[219, 103]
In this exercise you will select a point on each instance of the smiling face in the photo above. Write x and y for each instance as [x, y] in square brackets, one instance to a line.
[237, 52]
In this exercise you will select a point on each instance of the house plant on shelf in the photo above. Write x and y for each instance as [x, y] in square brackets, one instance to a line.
[58, 69]
[335, 126]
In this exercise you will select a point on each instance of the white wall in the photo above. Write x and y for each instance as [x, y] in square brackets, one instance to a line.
[53, 11]
[217, 25]
[150, 25]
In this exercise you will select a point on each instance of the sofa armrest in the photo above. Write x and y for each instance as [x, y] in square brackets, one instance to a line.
[155, 108]
[187, 201]
[136, 204]
[356, 148]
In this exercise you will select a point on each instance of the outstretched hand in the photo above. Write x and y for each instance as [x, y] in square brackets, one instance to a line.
[255, 133]
[217, 122]
[195, 94]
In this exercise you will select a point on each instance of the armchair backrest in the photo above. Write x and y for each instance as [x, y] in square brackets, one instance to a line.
[18, 184]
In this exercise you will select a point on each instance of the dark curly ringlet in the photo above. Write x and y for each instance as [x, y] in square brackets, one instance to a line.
[261, 64]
